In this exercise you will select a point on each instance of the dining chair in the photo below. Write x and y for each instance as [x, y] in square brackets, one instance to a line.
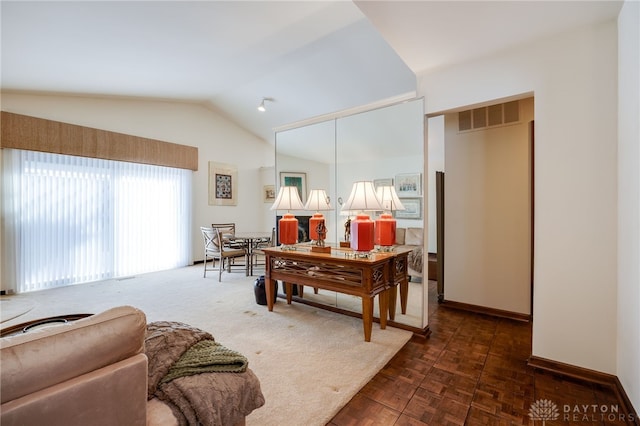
[264, 243]
[228, 231]
[215, 249]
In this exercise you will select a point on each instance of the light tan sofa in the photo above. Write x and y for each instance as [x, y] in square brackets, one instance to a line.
[412, 238]
[94, 371]
[89, 372]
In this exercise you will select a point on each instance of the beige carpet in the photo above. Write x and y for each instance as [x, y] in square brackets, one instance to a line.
[310, 362]
[13, 307]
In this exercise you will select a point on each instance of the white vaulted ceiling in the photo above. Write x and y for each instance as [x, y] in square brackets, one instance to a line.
[313, 58]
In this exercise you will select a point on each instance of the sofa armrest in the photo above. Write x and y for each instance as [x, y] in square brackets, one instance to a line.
[42, 358]
[112, 395]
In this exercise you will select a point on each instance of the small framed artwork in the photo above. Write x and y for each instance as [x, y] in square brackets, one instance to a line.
[377, 183]
[297, 179]
[269, 193]
[223, 184]
[413, 209]
[409, 185]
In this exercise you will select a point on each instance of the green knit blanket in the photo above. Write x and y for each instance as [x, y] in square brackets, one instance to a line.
[207, 356]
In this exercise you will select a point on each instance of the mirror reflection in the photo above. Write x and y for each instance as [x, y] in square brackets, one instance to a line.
[307, 154]
[384, 146]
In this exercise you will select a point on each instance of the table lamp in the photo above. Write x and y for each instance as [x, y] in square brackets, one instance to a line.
[318, 201]
[386, 224]
[288, 199]
[362, 199]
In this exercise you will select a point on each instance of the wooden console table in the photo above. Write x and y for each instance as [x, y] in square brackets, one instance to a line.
[341, 272]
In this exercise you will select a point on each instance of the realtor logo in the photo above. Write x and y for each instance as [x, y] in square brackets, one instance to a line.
[544, 409]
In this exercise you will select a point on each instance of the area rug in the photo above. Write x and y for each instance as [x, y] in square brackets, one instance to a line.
[310, 362]
[12, 307]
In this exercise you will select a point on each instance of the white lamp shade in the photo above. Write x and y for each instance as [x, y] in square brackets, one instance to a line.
[363, 198]
[389, 198]
[288, 199]
[318, 201]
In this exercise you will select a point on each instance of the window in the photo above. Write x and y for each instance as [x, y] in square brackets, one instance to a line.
[72, 219]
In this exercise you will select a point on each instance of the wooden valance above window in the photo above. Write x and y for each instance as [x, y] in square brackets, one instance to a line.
[38, 134]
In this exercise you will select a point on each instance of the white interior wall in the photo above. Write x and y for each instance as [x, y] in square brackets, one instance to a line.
[435, 150]
[189, 124]
[573, 77]
[3, 285]
[488, 214]
[628, 319]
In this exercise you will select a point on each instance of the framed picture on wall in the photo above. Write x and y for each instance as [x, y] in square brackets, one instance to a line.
[223, 184]
[409, 185]
[297, 179]
[269, 193]
[413, 209]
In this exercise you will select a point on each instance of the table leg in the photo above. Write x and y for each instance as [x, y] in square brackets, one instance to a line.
[383, 301]
[404, 293]
[247, 260]
[367, 317]
[393, 296]
[249, 248]
[270, 290]
[289, 290]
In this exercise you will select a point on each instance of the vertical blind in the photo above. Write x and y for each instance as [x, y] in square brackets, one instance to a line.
[72, 219]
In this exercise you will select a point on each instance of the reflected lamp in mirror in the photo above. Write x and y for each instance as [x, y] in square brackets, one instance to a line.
[363, 198]
[386, 224]
[318, 201]
[288, 199]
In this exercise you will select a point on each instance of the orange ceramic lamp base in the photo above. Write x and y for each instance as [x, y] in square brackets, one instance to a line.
[362, 233]
[288, 229]
[385, 230]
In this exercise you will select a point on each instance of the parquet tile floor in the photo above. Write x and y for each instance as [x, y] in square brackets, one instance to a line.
[471, 370]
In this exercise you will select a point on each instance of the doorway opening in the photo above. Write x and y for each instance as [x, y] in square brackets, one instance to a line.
[481, 227]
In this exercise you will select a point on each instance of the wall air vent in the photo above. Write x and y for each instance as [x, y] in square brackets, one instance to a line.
[479, 118]
[464, 120]
[493, 115]
[511, 112]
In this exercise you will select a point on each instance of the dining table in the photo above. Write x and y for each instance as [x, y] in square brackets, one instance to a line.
[249, 241]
